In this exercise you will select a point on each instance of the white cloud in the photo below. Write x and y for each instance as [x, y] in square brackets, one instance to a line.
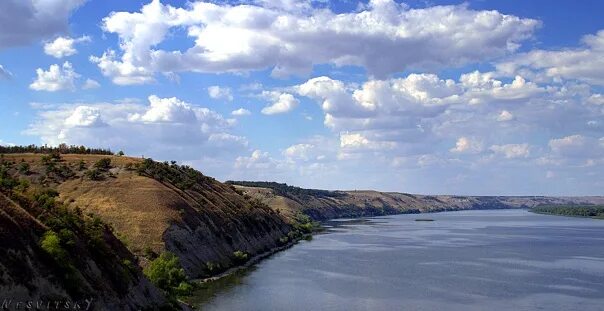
[5, 143]
[573, 145]
[63, 46]
[5, 74]
[352, 142]
[241, 112]
[169, 110]
[55, 79]
[383, 37]
[299, 151]
[582, 63]
[257, 160]
[512, 151]
[26, 21]
[484, 88]
[596, 99]
[281, 103]
[84, 116]
[90, 84]
[168, 128]
[505, 116]
[217, 92]
[568, 142]
[467, 145]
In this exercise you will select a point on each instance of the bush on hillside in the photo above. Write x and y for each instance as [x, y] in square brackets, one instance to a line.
[94, 174]
[166, 273]
[51, 244]
[240, 257]
[103, 164]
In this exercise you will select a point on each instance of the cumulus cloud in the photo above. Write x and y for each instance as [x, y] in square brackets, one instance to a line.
[512, 151]
[168, 110]
[299, 151]
[505, 116]
[281, 102]
[84, 116]
[484, 88]
[467, 145]
[26, 21]
[90, 84]
[241, 112]
[576, 150]
[581, 63]
[63, 46]
[257, 160]
[384, 37]
[168, 128]
[56, 78]
[408, 123]
[5, 74]
[596, 99]
[217, 92]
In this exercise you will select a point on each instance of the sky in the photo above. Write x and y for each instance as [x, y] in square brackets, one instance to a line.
[436, 97]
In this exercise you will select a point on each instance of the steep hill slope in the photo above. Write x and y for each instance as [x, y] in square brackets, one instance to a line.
[157, 207]
[322, 204]
[52, 255]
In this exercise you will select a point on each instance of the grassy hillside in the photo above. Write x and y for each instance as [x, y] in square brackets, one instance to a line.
[160, 207]
[52, 252]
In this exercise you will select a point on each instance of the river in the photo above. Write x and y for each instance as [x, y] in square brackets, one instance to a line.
[466, 260]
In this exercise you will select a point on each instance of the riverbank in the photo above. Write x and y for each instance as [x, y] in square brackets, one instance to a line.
[584, 211]
[252, 261]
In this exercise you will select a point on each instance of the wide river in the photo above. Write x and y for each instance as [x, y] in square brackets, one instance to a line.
[468, 260]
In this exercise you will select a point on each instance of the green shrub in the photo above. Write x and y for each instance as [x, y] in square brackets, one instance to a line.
[240, 256]
[23, 185]
[94, 174]
[45, 198]
[51, 243]
[211, 266]
[7, 182]
[103, 164]
[283, 240]
[24, 167]
[166, 273]
[184, 289]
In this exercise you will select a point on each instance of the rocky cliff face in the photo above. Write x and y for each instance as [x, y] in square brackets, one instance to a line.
[30, 274]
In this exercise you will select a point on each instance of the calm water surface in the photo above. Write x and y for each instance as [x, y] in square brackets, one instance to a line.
[470, 260]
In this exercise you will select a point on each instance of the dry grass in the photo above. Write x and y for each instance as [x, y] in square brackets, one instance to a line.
[283, 205]
[130, 203]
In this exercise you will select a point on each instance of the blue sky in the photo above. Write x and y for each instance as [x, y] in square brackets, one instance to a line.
[465, 97]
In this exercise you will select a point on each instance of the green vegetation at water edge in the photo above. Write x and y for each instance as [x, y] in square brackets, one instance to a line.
[166, 273]
[594, 211]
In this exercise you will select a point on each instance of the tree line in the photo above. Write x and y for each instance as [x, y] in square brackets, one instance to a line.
[62, 148]
[571, 210]
[286, 190]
